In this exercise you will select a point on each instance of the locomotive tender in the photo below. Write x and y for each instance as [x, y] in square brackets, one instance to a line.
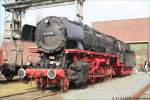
[73, 53]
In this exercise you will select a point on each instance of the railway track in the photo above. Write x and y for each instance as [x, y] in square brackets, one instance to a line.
[15, 94]
[30, 95]
[46, 95]
[16, 90]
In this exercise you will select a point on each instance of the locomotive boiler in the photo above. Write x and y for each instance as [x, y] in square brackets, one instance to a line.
[54, 34]
[74, 53]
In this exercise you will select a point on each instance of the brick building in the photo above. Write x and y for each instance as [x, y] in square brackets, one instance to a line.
[136, 32]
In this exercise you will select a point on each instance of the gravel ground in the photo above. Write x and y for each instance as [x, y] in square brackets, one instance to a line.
[117, 88]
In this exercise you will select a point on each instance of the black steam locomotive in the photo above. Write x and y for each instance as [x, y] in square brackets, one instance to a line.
[54, 34]
[82, 53]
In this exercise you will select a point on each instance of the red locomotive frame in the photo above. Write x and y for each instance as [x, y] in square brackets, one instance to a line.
[96, 69]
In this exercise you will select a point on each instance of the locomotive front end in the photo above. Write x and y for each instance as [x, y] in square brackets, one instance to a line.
[50, 37]
[50, 34]
[50, 73]
[46, 77]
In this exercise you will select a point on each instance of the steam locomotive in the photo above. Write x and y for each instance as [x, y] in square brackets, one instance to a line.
[73, 53]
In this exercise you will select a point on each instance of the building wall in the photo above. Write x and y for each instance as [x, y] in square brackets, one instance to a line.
[129, 30]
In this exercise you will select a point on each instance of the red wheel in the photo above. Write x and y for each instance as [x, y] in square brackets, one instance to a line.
[109, 77]
[64, 84]
[41, 84]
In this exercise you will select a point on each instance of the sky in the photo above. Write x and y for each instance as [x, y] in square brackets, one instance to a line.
[93, 10]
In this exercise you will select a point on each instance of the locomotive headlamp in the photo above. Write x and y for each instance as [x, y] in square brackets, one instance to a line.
[29, 63]
[60, 28]
[57, 64]
[21, 73]
[51, 73]
[51, 57]
[46, 21]
[51, 62]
